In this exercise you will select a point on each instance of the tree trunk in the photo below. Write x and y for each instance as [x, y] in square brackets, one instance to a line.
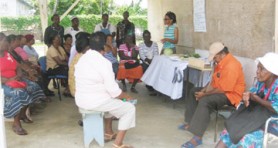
[70, 8]
[43, 14]
[55, 6]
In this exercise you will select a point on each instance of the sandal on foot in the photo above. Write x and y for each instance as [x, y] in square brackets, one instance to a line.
[183, 126]
[109, 137]
[19, 130]
[26, 120]
[153, 94]
[194, 142]
[67, 94]
[122, 146]
[132, 89]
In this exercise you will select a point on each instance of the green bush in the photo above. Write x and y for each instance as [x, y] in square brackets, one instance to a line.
[87, 22]
[19, 24]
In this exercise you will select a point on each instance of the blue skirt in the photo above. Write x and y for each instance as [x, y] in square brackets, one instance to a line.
[16, 98]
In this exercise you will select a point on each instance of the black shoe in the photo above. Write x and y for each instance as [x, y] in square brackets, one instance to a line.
[132, 89]
[55, 85]
[50, 91]
[150, 88]
[66, 94]
[49, 94]
[64, 83]
[80, 123]
[153, 94]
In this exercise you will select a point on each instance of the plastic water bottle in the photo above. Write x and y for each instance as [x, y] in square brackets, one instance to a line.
[132, 101]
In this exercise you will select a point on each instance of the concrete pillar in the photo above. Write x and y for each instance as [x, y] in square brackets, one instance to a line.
[155, 20]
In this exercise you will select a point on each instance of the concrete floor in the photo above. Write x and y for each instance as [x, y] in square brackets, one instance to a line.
[156, 125]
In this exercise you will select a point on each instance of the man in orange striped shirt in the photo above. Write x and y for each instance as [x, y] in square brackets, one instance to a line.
[226, 88]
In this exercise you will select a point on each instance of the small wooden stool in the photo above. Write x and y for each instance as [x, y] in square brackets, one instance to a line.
[92, 127]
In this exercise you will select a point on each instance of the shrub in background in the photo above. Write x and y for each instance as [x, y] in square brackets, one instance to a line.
[87, 22]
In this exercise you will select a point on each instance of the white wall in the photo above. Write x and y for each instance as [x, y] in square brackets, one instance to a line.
[183, 10]
[8, 7]
[14, 8]
[245, 26]
[23, 9]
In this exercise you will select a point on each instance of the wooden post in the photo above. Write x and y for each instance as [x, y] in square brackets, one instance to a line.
[70, 8]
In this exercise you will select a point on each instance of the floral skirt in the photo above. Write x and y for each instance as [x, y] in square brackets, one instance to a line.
[251, 140]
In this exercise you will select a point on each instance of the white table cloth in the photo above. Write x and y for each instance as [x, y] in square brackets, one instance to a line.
[165, 74]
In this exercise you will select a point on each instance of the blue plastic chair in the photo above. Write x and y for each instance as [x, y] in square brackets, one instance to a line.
[42, 62]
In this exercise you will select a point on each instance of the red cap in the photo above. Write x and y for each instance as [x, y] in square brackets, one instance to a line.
[29, 37]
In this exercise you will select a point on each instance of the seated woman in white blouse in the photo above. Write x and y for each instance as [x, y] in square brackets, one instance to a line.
[96, 89]
[147, 50]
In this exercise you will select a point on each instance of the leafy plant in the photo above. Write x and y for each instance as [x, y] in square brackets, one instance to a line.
[19, 24]
[85, 7]
[87, 22]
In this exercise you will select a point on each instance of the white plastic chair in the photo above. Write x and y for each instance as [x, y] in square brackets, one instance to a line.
[266, 134]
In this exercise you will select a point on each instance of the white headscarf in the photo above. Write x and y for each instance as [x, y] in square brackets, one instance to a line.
[270, 62]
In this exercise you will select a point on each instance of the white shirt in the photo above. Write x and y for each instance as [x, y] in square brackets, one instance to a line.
[109, 26]
[95, 81]
[148, 52]
[72, 32]
[31, 52]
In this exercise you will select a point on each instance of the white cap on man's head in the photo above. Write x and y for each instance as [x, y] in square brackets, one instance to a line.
[73, 17]
[269, 61]
[214, 49]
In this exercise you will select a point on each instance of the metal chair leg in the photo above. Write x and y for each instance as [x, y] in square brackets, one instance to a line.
[59, 92]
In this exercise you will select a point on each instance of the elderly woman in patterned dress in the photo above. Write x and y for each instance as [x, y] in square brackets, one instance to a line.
[267, 74]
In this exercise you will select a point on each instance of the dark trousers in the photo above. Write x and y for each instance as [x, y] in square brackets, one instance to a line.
[115, 67]
[145, 67]
[61, 70]
[197, 113]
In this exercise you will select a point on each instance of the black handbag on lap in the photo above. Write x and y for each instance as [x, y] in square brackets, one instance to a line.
[245, 120]
[132, 65]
